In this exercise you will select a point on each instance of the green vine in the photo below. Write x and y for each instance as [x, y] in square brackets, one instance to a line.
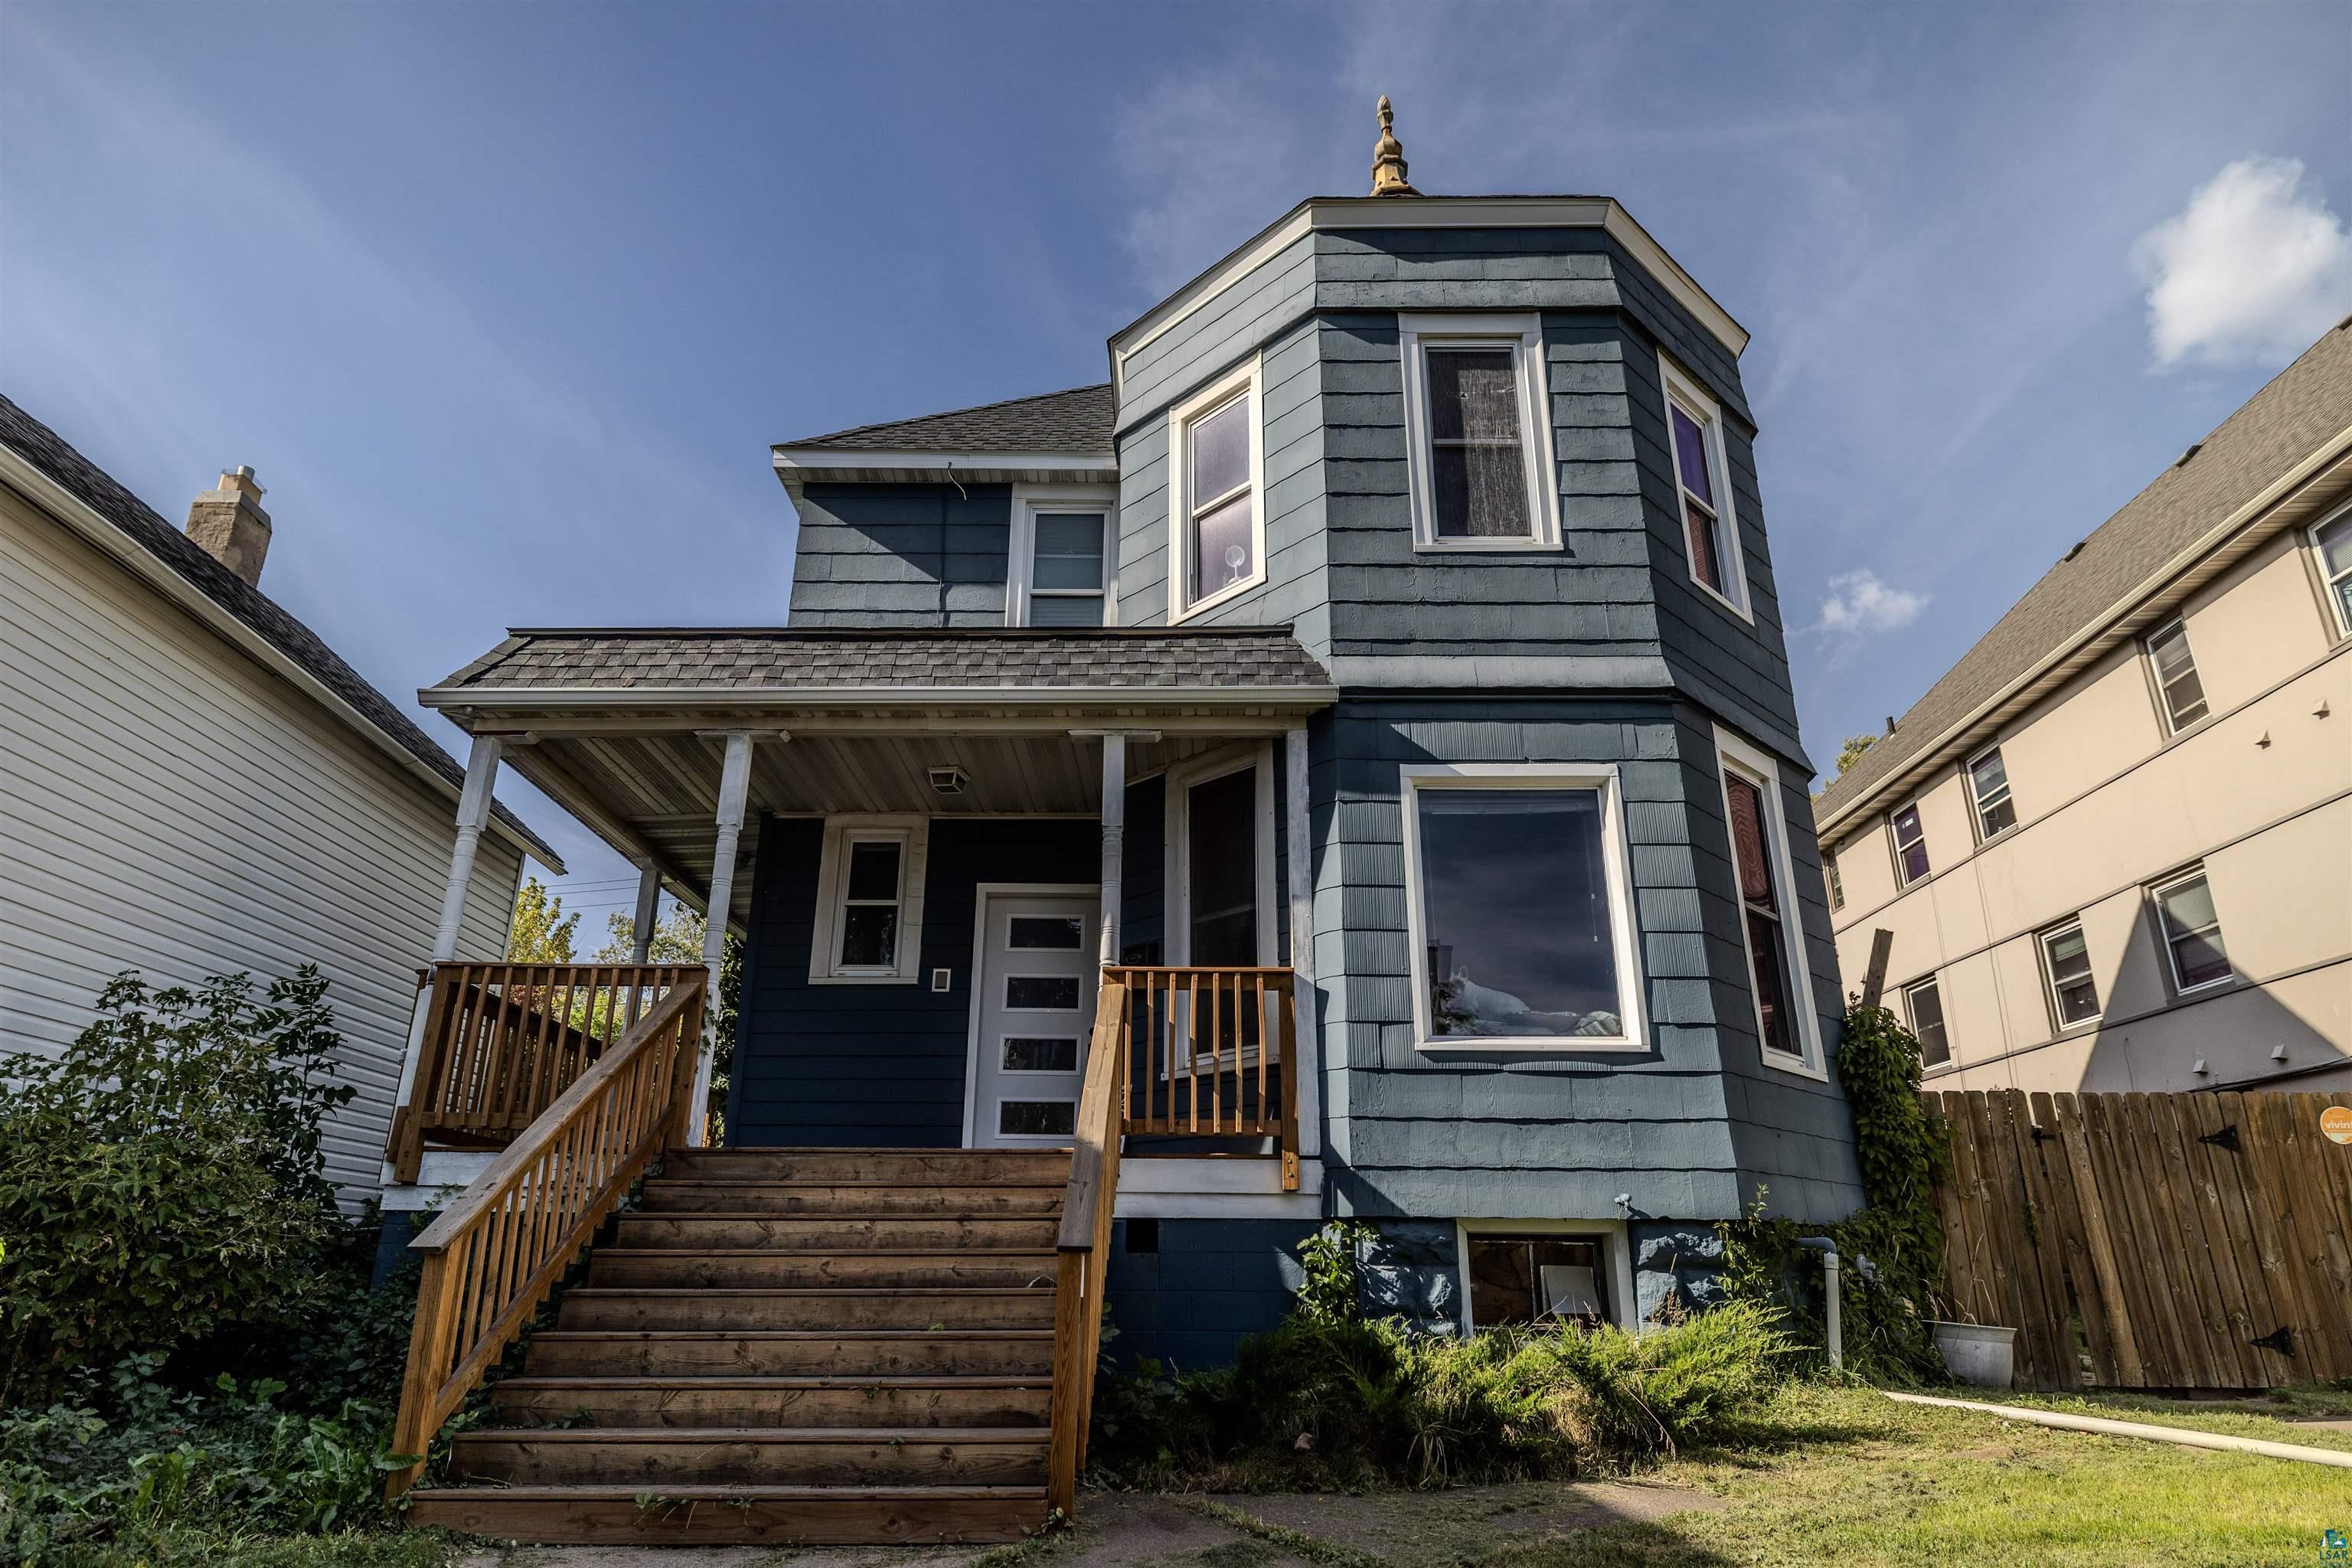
[1893, 1248]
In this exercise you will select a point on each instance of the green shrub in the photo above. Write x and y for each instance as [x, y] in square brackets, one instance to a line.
[1331, 1399]
[161, 1181]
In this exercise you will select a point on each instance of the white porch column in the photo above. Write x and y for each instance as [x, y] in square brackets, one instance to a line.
[734, 793]
[1113, 838]
[473, 815]
[1298, 827]
[648, 904]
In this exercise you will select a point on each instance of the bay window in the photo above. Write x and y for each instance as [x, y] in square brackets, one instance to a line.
[1478, 433]
[1702, 488]
[1215, 505]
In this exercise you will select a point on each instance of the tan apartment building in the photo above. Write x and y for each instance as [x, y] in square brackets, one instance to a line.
[2111, 848]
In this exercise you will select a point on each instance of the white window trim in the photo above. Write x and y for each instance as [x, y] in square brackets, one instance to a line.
[913, 836]
[1251, 377]
[2339, 618]
[1737, 755]
[1894, 844]
[1683, 388]
[1976, 800]
[1522, 335]
[1617, 874]
[2156, 892]
[2041, 940]
[1934, 981]
[1019, 563]
[1617, 1254]
[2156, 677]
[1176, 869]
[1832, 881]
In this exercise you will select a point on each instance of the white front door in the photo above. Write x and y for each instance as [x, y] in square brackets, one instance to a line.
[1032, 1012]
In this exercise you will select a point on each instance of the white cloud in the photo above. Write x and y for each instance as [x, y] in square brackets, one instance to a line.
[2255, 268]
[1860, 605]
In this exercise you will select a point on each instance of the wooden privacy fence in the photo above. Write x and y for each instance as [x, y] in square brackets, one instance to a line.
[2152, 1240]
[502, 1040]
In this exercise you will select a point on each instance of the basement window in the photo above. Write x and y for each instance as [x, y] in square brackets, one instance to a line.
[869, 902]
[1521, 1280]
[1478, 433]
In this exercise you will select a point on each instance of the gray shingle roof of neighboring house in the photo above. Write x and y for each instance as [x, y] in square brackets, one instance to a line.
[94, 488]
[1236, 658]
[1078, 420]
[2280, 426]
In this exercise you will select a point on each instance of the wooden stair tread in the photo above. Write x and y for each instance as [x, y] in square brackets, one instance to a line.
[792, 1336]
[737, 1183]
[911, 1435]
[860, 1254]
[554, 1492]
[813, 1293]
[688, 1380]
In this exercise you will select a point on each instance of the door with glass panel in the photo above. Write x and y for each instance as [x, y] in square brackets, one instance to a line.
[1035, 1010]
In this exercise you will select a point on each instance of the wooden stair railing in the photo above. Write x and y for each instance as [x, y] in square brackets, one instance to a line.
[1083, 1246]
[1198, 1065]
[502, 1040]
[493, 1255]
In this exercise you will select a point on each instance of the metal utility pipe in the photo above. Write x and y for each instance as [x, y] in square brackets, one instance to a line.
[1827, 1247]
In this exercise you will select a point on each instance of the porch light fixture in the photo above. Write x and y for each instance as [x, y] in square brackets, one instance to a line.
[950, 780]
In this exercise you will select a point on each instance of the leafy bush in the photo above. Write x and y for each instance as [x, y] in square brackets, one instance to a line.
[1330, 1398]
[160, 1182]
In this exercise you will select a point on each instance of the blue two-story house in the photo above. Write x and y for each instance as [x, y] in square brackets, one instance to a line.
[1381, 680]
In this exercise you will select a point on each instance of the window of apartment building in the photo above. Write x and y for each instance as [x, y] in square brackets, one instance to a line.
[1479, 435]
[2066, 965]
[2191, 931]
[1830, 874]
[1925, 1005]
[1988, 787]
[1519, 907]
[1060, 563]
[1216, 479]
[2178, 692]
[2331, 543]
[1520, 1280]
[1910, 846]
[1702, 488]
[869, 900]
[1759, 850]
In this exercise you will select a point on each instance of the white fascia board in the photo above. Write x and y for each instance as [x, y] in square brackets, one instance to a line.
[141, 564]
[737, 697]
[2110, 629]
[1337, 213]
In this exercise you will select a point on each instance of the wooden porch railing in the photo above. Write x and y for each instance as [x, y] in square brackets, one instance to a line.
[1199, 1064]
[1084, 1248]
[491, 1256]
[502, 1040]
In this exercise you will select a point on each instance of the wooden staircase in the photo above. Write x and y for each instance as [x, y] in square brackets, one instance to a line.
[788, 1345]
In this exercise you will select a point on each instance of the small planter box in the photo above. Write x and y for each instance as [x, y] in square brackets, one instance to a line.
[1979, 1354]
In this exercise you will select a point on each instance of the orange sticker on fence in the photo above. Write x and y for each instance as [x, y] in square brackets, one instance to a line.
[2336, 1122]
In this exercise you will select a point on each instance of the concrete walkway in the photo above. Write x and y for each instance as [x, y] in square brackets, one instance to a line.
[1379, 1529]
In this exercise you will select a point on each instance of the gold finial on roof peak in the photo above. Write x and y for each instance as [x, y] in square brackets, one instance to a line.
[1387, 158]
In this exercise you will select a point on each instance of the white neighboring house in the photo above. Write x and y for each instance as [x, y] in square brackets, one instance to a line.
[192, 784]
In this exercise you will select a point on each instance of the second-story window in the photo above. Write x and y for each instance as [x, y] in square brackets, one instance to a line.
[2066, 961]
[2178, 692]
[1910, 846]
[1060, 570]
[1925, 1003]
[1216, 516]
[2332, 543]
[1477, 433]
[1702, 488]
[1988, 784]
[1836, 882]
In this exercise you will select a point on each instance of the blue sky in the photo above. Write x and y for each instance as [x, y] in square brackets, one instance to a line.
[504, 303]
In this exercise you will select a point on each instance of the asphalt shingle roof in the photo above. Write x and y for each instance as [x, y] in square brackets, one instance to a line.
[2280, 426]
[94, 488]
[1239, 658]
[1078, 420]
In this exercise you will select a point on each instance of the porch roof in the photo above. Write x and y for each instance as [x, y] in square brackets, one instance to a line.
[625, 727]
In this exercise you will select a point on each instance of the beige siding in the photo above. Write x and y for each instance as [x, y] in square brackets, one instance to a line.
[2107, 803]
[168, 805]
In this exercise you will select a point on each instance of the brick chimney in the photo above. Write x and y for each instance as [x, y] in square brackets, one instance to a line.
[230, 526]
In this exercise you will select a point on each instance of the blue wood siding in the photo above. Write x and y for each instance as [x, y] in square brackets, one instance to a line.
[901, 555]
[874, 1065]
[1682, 1130]
[1210, 1283]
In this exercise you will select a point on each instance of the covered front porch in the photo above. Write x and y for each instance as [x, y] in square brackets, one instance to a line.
[937, 849]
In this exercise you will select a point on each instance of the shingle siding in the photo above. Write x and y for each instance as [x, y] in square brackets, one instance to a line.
[901, 555]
